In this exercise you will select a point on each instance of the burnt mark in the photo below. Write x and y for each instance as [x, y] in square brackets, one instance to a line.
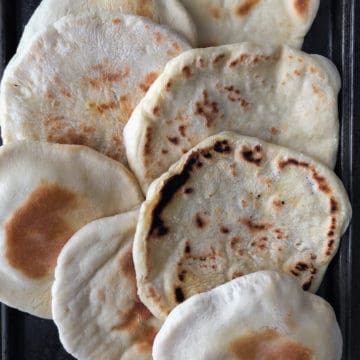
[170, 187]
[330, 246]
[189, 190]
[179, 295]
[224, 230]
[187, 248]
[307, 285]
[200, 222]
[207, 155]
[174, 140]
[182, 275]
[207, 109]
[222, 147]
[334, 207]
[320, 180]
[254, 155]
[301, 266]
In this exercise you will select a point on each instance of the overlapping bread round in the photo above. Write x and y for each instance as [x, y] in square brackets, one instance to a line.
[264, 315]
[169, 12]
[231, 206]
[80, 79]
[281, 95]
[273, 22]
[48, 192]
[95, 303]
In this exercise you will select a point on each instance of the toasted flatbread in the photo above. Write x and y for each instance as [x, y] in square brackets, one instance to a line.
[95, 302]
[169, 12]
[79, 80]
[48, 192]
[263, 22]
[234, 205]
[264, 315]
[283, 96]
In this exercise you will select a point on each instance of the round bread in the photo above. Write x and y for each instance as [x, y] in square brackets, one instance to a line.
[169, 12]
[95, 303]
[282, 96]
[273, 22]
[264, 315]
[234, 205]
[79, 80]
[48, 192]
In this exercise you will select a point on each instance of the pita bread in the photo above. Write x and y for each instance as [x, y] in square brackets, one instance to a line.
[273, 22]
[79, 81]
[169, 12]
[234, 205]
[48, 192]
[95, 302]
[264, 315]
[282, 96]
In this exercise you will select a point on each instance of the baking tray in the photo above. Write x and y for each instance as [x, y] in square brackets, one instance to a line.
[335, 34]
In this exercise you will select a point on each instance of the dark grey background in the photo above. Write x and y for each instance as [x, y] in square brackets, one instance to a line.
[335, 34]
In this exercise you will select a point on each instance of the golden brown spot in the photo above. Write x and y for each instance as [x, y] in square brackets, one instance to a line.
[207, 109]
[127, 265]
[126, 108]
[156, 110]
[105, 77]
[182, 129]
[159, 37]
[254, 227]
[133, 318]
[236, 275]
[149, 79]
[219, 58]
[246, 7]
[116, 21]
[101, 296]
[147, 339]
[144, 8]
[278, 204]
[186, 72]
[38, 231]
[164, 151]
[274, 131]
[215, 12]
[268, 344]
[302, 6]
[233, 169]
[148, 138]
[297, 72]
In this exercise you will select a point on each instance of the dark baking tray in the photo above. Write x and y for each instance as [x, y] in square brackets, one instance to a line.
[334, 34]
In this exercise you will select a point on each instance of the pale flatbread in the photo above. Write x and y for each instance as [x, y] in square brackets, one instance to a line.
[48, 192]
[78, 82]
[273, 22]
[283, 96]
[234, 205]
[264, 315]
[169, 12]
[95, 302]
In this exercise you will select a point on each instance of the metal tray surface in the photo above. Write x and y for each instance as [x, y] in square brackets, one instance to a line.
[335, 34]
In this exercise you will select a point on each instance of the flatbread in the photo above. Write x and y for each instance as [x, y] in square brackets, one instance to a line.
[273, 22]
[48, 192]
[234, 205]
[264, 315]
[95, 303]
[169, 12]
[283, 96]
[79, 81]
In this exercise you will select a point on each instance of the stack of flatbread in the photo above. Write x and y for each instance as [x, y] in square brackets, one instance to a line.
[166, 179]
